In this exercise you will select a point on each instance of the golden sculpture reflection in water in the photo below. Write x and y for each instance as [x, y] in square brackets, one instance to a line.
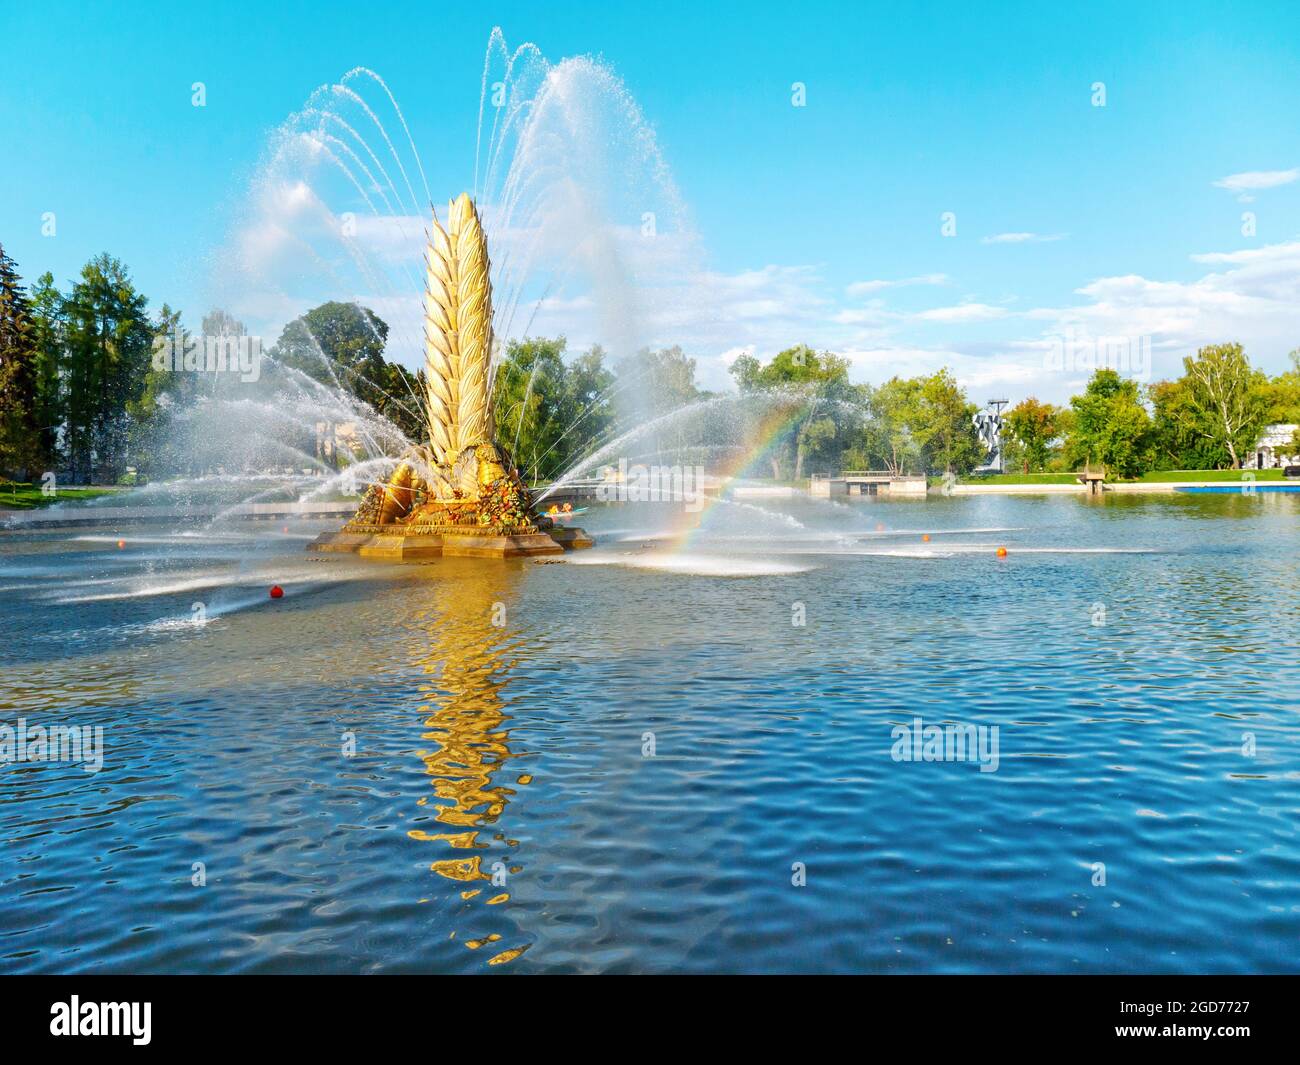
[466, 651]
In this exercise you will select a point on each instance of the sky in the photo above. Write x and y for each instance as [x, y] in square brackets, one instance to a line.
[1012, 191]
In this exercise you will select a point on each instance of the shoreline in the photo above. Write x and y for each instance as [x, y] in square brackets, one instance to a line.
[1126, 487]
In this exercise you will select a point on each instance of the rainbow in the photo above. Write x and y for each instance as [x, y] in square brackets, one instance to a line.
[772, 428]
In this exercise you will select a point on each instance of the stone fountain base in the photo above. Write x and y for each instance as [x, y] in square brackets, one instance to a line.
[401, 543]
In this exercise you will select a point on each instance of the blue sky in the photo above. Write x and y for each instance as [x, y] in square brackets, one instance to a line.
[819, 223]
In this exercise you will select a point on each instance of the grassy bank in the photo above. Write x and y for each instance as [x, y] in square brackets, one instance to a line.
[1156, 477]
[15, 496]
[1165, 476]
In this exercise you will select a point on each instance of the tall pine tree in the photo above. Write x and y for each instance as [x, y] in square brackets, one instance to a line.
[109, 342]
[19, 432]
[48, 338]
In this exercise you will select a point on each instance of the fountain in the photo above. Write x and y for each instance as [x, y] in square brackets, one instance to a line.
[459, 493]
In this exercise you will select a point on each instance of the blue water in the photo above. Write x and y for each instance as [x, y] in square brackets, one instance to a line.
[1241, 488]
[501, 811]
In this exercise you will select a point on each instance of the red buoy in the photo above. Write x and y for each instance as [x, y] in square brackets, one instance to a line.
[121, 544]
[1002, 552]
[276, 591]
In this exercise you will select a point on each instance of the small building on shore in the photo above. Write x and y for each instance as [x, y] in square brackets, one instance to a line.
[867, 483]
[1274, 449]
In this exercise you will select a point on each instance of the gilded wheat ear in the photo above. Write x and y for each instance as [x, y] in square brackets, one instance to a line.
[458, 333]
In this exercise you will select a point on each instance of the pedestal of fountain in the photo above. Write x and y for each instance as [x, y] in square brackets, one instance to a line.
[385, 543]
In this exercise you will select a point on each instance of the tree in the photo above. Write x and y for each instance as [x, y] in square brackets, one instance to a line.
[1032, 429]
[1282, 394]
[341, 345]
[1225, 403]
[1110, 425]
[48, 340]
[665, 378]
[338, 344]
[887, 438]
[943, 425]
[549, 413]
[918, 424]
[811, 391]
[587, 387]
[653, 384]
[19, 427]
[108, 347]
[1174, 445]
[164, 391]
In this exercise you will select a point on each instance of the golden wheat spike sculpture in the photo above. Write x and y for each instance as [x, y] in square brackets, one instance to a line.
[458, 333]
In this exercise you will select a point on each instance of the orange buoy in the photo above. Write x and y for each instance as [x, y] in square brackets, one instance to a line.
[286, 530]
[121, 544]
[276, 591]
[926, 538]
[1002, 552]
[880, 526]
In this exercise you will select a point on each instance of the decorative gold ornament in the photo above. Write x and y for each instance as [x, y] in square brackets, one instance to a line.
[458, 334]
[461, 487]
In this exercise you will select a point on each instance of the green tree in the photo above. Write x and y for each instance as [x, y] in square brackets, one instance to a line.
[943, 425]
[108, 344]
[810, 390]
[48, 339]
[19, 428]
[338, 344]
[588, 384]
[918, 424]
[651, 385]
[1033, 427]
[1226, 405]
[665, 378]
[887, 439]
[1110, 425]
[341, 345]
[165, 391]
[1282, 394]
[1174, 444]
[549, 412]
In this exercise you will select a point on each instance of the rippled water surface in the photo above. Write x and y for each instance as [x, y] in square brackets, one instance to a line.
[447, 767]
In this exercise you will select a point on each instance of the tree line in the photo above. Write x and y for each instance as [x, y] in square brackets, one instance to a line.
[1211, 417]
[82, 393]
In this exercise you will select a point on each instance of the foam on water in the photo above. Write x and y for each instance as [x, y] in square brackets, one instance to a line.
[693, 563]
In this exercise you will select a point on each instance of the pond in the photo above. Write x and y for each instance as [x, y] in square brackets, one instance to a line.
[674, 752]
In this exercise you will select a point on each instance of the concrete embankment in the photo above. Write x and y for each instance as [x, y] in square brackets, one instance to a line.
[1128, 487]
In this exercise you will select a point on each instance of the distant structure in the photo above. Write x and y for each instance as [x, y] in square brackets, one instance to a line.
[1274, 448]
[988, 423]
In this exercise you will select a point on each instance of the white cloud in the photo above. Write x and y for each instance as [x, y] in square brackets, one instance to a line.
[962, 312]
[1277, 253]
[865, 288]
[1022, 238]
[1249, 181]
[1247, 295]
[732, 354]
[1252, 301]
